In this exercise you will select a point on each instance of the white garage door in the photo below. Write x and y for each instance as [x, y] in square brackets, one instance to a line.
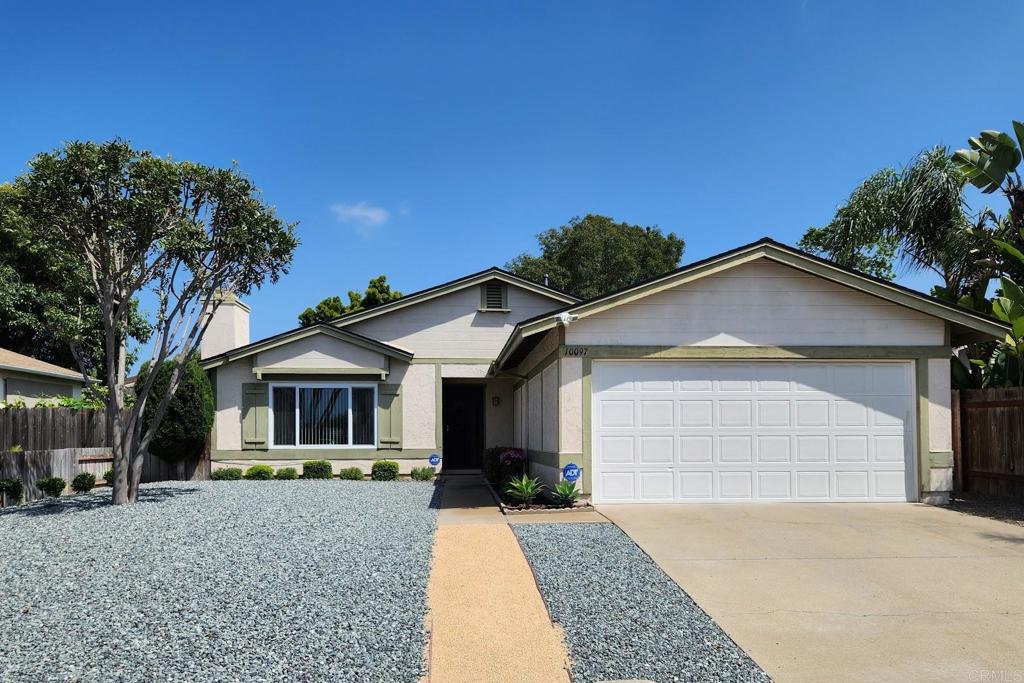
[685, 431]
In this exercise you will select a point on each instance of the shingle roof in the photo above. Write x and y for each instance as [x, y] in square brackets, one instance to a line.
[9, 360]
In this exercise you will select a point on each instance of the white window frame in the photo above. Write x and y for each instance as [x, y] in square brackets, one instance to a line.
[319, 385]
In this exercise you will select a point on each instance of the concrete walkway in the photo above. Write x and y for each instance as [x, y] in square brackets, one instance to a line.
[848, 593]
[487, 619]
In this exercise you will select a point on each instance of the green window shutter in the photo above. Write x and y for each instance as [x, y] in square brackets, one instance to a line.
[254, 416]
[389, 416]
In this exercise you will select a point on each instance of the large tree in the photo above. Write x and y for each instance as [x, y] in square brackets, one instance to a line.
[914, 218]
[45, 310]
[378, 292]
[595, 255]
[140, 223]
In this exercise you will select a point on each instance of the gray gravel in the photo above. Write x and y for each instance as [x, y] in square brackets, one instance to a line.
[219, 581]
[623, 617]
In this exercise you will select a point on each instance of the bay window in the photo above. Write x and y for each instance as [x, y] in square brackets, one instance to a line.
[323, 415]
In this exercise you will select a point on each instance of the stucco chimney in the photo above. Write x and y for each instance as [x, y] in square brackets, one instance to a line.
[229, 328]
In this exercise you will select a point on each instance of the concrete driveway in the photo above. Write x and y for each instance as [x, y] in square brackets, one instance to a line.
[849, 592]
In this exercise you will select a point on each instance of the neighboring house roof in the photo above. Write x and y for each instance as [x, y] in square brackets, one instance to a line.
[9, 360]
[765, 248]
[301, 333]
[493, 273]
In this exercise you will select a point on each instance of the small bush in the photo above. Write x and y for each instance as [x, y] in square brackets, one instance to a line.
[351, 473]
[422, 473]
[316, 469]
[287, 473]
[13, 489]
[227, 474]
[384, 470]
[524, 489]
[502, 463]
[259, 473]
[108, 476]
[51, 486]
[565, 493]
[83, 482]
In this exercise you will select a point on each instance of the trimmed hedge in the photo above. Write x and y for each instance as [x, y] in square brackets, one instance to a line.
[259, 473]
[52, 486]
[422, 474]
[83, 482]
[351, 473]
[384, 470]
[108, 476]
[286, 473]
[13, 489]
[227, 474]
[316, 469]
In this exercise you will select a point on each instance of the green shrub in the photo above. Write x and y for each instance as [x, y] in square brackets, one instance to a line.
[422, 473]
[565, 493]
[524, 489]
[351, 473]
[259, 473]
[316, 469]
[287, 473]
[502, 463]
[384, 470]
[51, 486]
[83, 482]
[108, 476]
[189, 417]
[227, 474]
[13, 489]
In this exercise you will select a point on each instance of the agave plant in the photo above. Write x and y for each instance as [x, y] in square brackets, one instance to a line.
[565, 493]
[524, 489]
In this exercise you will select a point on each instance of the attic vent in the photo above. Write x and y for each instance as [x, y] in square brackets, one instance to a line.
[493, 296]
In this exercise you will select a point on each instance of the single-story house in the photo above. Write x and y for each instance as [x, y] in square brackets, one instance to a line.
[28, 379]
[760, 374]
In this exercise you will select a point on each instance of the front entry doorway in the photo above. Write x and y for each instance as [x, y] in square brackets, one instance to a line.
[462, 409]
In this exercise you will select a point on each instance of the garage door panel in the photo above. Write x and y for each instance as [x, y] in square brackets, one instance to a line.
[696, 449]
[731, 431]
[774, 485]
[773, 449]
[657, 486]
[735, 449]
[657, 450]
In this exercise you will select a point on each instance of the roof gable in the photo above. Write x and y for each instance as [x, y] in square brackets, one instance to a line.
[11, 360]
[302, 333]
[475, 279]
[965, 320]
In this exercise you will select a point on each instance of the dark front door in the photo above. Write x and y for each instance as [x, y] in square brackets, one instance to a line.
[462, 407]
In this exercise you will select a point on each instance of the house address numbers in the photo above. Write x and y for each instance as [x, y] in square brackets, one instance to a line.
[576, 351]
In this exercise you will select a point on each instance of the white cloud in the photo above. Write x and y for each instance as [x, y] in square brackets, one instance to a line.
[363, 216]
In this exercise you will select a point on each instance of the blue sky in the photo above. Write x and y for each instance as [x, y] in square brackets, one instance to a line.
[429, 140]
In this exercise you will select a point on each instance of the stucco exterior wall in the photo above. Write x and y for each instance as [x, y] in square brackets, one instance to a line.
[570, 405]
[227, 422]
[519, 417]
[452, 326]
[534, 413]
[31, 388]
[419, 406]
[498, 418]
[549, 391]
[758, 304]
[940, 424]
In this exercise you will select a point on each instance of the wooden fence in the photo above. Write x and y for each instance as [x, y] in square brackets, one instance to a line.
[988, 441]
[62, 442]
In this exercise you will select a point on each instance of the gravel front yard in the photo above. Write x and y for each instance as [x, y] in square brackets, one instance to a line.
[219, 581]
[623, 617]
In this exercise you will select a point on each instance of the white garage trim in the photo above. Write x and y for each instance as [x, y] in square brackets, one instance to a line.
[754, 430]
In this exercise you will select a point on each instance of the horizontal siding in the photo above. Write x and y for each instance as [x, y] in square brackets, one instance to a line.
[451, 326]
[759, 304]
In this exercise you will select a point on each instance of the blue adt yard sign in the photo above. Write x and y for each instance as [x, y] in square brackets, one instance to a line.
[434, 460]
[571, 472]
